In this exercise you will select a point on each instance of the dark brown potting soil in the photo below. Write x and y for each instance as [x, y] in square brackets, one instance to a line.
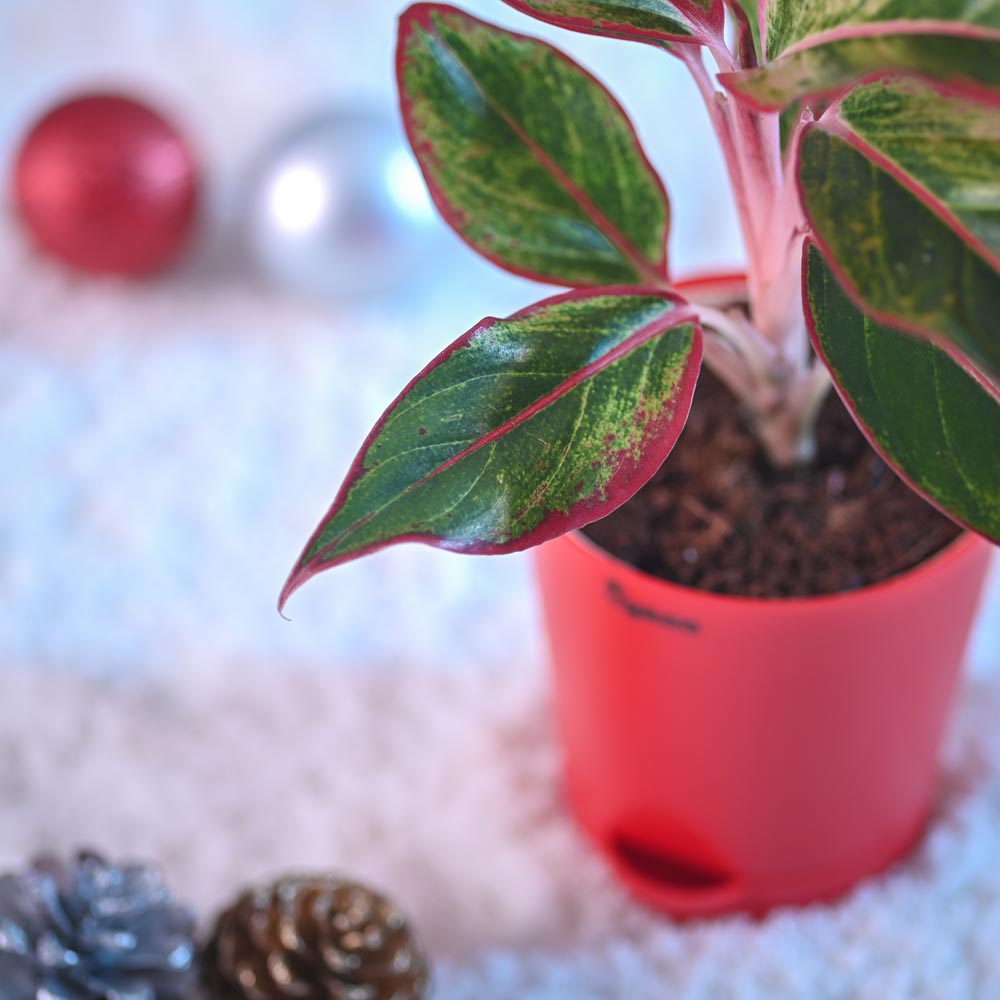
[718, 516]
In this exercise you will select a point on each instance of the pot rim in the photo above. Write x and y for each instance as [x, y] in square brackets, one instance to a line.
[954, 551]
[705, 278]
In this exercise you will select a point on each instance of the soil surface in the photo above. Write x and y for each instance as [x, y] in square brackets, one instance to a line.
[719, 517]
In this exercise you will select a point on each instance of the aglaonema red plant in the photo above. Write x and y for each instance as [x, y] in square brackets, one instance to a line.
[862, 142]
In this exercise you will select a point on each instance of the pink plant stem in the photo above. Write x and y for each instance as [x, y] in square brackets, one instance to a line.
[776, 221]
[764, 359]
[757, 181]
[716, 105]
[758, 353]
[804, 404]
[729, 366]
[752, 155]
[750, 168]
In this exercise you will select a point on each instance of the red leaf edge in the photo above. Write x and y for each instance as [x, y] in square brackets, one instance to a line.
[306, 568]
[990, 95]
[706, 31]
[835, 125]
[846, 32]
[714, 22]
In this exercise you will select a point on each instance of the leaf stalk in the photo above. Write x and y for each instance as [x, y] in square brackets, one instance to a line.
[763, 355]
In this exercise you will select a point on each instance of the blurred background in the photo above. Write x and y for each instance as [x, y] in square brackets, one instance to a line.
[177, 438]
[169, 442]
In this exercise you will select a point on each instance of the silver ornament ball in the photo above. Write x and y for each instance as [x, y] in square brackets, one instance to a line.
[337, 208]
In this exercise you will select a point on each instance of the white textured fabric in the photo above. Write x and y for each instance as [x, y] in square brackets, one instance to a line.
[441, 788]
[166, 449]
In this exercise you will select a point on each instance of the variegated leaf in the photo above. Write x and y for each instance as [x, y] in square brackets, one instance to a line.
[931, 420]
[899, 181]
[818, 47]
[792, 23]
[947, 144]
[644, 20]
[527, 156]
[523, 429]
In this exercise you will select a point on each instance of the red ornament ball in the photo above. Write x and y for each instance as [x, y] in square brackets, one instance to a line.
[107, 185]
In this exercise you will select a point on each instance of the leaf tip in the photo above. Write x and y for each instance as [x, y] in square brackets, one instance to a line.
[300, 574]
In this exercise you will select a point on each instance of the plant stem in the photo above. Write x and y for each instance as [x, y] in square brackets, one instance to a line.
[763, 356]
[782, 406]
[715, 103]
[757, 352]
[788, 430]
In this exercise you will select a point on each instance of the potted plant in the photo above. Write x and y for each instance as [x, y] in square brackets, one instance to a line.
[751, 714]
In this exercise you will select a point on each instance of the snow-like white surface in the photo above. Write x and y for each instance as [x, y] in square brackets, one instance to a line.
[442, 788]
[169, 449]
[166, 449]
[171, 445]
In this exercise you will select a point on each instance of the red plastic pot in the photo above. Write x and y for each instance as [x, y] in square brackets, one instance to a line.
[730, 753]
[736, 754]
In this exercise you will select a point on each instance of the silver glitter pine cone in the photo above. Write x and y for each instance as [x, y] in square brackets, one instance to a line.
[314, 938]
[88, 930]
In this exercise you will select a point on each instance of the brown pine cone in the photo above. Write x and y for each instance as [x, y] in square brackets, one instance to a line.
[314, 939]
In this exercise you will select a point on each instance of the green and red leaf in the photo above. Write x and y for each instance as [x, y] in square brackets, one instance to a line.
[521, 430]
[818, 47]
[698, 21]
[934, 423]
[898, 182]
[527, 156]
[789, 24]
[947, 144]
